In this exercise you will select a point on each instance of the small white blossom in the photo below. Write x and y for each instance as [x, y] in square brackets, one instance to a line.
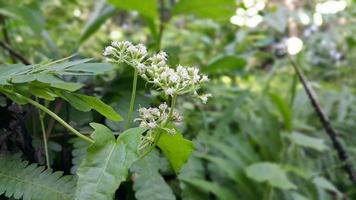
[156, 117]
[170, 91]
[204, 97]
[109, 51]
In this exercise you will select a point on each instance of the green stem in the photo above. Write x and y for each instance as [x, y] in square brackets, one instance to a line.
[44, 138]
[132, 101]
[159, 133]
[52, 114]
[173, 105]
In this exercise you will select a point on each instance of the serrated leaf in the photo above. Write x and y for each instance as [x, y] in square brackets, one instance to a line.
[271, 173]
[21, 180]
[176, 149]
[307, 141]
[148, 182]
[106, 163]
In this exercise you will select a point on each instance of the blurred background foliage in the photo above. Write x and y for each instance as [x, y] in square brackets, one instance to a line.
[258, 137]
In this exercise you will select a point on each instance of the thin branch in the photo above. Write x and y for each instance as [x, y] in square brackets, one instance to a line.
[6, 36]
[14, 53]
[324, 119]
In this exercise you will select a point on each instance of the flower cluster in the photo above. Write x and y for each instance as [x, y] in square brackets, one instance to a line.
[126, 52]
[155, 69]
[152, 118]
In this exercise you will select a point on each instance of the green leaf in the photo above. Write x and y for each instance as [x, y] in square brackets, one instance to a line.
[106, 163]
[86, 103]
[101, 13]
[43, 93]
[146, 8]
[193, 169]
[224, 64]
[21, 180]
[220, 10]
[323, 183]
[29, 16]
[220, 192]
[148, 182]
[271, 173]
[94, 68]
[175, 148]
[284, 109]
[307, 141]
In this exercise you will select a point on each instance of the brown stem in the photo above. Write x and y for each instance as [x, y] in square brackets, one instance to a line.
[52, 122]
[6, 36]
[14, 53]
[324, 119]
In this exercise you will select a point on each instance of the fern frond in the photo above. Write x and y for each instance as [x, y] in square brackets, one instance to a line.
[21, 180]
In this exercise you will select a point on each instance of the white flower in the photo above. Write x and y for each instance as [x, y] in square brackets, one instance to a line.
[151, 125]
[156, 117]
[204, 97]
[169, 91]
[155, 69]
[174, 78]
[163, 106]
[109, 51]
[204, 79]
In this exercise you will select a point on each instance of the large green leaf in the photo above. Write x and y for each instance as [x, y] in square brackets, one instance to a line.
[271, 173]
[220, 10]
[307, 141]
[175, 148]
[86, 103]
[224, 64]
[106, 163]
[148, 182]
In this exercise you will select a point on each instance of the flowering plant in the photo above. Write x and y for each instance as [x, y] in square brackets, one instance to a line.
[171, 81]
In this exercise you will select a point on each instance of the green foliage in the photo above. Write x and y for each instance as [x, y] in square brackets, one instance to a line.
[21, 180]
[271, 173]
[308, 142]
[224, 65]
[86, 103]
[175, 148]
[148, 182]
[107, 162]
[220, 10]
[100, 14]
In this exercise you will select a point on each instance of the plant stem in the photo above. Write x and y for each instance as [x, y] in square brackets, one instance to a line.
[44, 138]
[173, 105]
[325, 121]
[132, 101]
[52, 114]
